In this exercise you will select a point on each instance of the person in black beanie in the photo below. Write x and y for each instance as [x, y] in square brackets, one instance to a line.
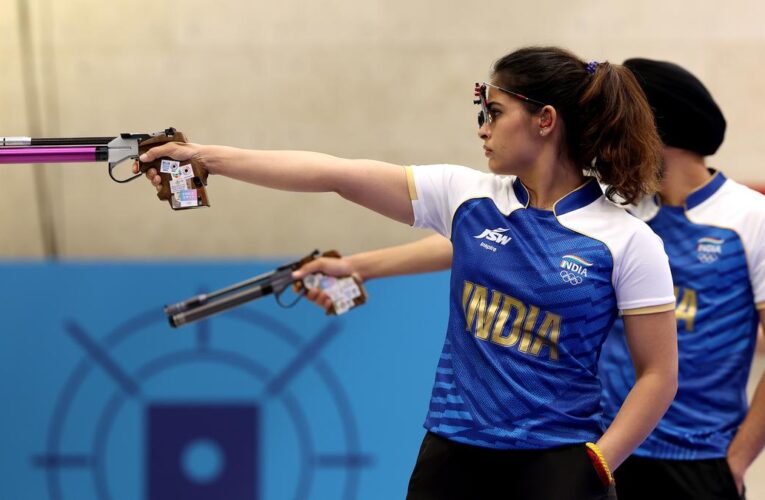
[713, 230]
[687, 117]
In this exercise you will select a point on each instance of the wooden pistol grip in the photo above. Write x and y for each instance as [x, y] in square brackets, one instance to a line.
[196, 183]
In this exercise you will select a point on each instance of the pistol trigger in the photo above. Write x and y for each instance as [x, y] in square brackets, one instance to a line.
[278, 294]
[112, 166]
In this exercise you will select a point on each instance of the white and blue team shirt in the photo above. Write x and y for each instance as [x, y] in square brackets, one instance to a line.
[533, 295]
[716, 248]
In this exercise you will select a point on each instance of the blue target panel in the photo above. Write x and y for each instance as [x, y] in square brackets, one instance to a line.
[201, 452]
[103, 400]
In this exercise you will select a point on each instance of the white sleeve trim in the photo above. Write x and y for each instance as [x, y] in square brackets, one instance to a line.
[437, 191]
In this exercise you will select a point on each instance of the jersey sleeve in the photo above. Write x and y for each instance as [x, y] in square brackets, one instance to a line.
[438, 190]
[642, 278]
[756, 256]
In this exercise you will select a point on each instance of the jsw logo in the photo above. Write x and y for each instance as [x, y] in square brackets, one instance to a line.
[494, 235]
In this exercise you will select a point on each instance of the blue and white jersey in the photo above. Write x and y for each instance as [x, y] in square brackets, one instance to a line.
[716, 248]
[533, 295]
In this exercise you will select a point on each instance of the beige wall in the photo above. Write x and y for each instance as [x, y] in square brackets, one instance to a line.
[389, 80]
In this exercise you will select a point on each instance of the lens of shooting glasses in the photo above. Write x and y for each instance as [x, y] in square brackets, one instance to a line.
[481, 118]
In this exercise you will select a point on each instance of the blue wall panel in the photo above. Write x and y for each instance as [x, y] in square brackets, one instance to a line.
[101, 399]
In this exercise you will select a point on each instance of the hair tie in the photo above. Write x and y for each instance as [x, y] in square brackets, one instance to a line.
[591, 67]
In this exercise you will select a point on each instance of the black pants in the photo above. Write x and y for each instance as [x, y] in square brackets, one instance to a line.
[446, 470]
[648, 478]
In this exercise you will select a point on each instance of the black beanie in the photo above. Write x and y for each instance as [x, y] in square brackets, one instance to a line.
[686, 115]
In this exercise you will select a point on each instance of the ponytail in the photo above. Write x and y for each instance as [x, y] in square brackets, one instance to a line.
[618, 137]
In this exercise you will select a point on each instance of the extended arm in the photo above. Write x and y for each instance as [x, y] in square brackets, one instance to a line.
[377, 185]
[652, 340]
[750, 438]
[433, 253]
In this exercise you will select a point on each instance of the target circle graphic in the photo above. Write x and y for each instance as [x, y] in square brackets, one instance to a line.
[203, 460]
[117, 421]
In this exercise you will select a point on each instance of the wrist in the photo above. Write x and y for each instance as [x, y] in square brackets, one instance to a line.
[356, 264]
[737, 462]
[208, 156]
[600, 462]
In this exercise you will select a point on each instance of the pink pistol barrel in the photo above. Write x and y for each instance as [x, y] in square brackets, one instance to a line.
[188, 189]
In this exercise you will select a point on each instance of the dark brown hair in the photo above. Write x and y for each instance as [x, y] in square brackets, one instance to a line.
[609, 126]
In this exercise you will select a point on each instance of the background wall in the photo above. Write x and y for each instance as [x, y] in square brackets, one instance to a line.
[388, 80]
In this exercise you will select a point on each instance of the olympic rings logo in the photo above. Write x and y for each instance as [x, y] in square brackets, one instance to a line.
[707, 258]
[571, 278]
